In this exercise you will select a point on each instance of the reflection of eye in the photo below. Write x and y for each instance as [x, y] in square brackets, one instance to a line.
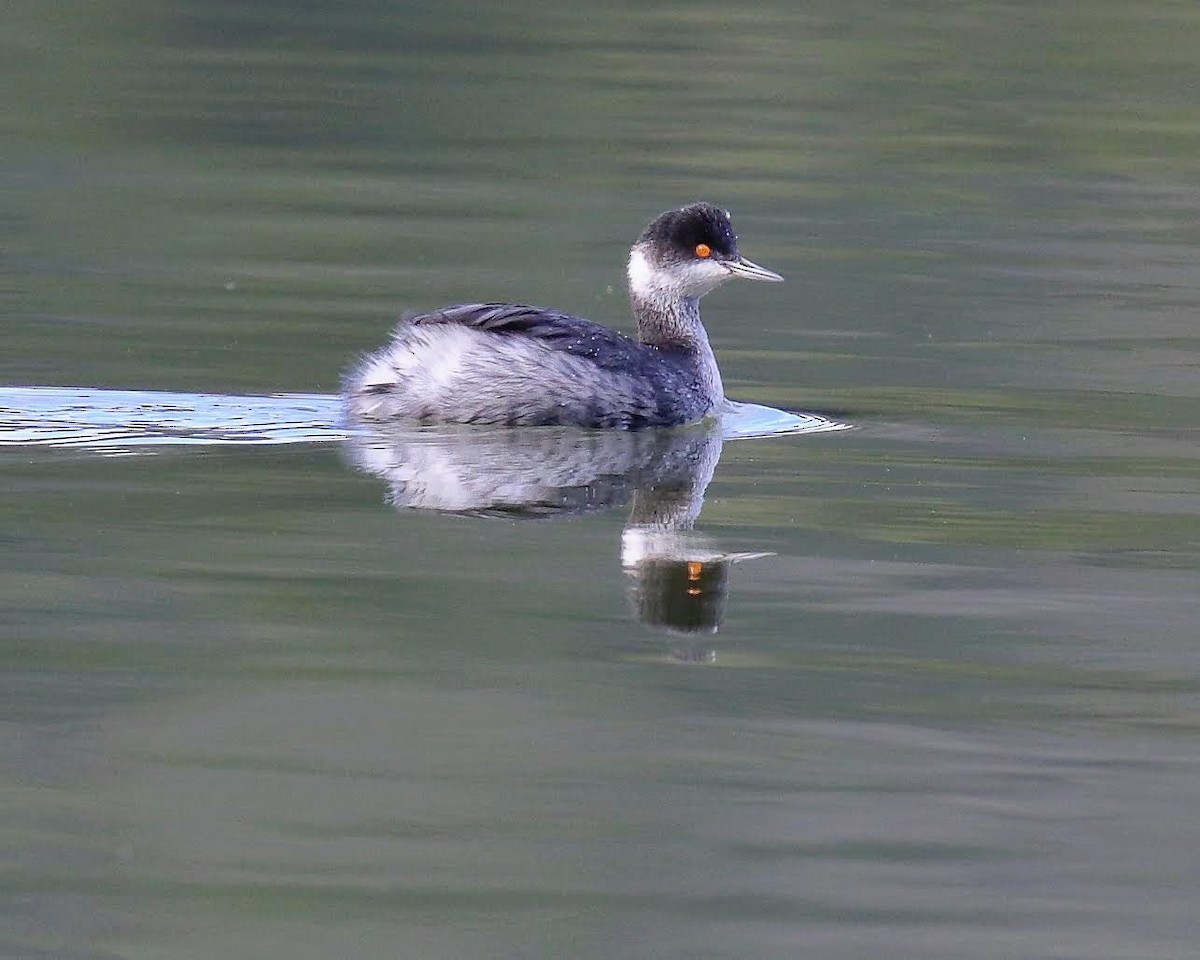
[703, 251]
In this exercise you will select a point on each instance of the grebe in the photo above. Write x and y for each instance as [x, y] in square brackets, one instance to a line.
[516, 365]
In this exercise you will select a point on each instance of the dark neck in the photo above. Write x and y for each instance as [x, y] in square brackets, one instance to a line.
[672, 324]
[668, 323]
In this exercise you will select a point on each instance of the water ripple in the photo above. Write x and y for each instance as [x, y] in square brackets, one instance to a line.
[118, 419]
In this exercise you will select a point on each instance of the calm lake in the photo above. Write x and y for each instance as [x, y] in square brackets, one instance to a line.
[924, 688]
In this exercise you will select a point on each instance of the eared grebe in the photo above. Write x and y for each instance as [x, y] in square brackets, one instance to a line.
[503, 363]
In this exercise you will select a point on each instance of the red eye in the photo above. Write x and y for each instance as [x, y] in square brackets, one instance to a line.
[703, 251]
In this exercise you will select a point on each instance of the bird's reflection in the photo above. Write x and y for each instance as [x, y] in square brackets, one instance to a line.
[678, 578]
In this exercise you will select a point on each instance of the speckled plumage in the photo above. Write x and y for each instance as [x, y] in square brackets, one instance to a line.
[520, 365]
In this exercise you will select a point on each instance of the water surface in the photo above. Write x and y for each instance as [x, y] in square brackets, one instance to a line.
[258, 704]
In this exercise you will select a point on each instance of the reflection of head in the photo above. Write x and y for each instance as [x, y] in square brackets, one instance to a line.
[684, 595]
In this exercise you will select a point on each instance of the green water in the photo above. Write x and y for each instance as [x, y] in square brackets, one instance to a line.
[253, 710]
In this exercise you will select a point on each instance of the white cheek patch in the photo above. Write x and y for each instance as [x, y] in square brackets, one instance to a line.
[641, 276]
[690, 279]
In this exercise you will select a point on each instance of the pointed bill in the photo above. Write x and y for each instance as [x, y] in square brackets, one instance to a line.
[748, 270]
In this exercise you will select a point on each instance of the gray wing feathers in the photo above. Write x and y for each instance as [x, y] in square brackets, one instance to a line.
[608, 349]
